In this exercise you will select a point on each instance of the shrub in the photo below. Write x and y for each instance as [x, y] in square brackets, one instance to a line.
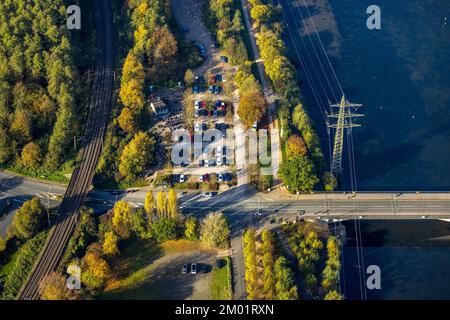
[27, 256]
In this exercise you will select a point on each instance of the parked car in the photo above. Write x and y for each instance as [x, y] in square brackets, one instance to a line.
[195, 89]
[218, 77]
[197, 105]
[204, 268]
[220, 177]
[197, 127]
[255, 126]
[224, 59]
[196, 113]
[212, 79]
[224, 78]
[219, 161]
[215, 113]
[201, 178]
[211, 89]
[208, 195]
[219, 150]
[194, 268]
[182, 178]
[185, 269]
[216, 89]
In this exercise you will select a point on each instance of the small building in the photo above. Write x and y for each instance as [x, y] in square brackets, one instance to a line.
[159, 108]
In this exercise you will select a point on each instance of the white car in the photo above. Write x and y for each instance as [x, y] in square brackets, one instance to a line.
[219, 161]
[201, 178]
[197, 105]
[224, 78]
[182, 178]
[197, 127]
[220, 177]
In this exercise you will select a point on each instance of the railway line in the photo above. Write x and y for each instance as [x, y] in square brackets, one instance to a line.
[81, 180]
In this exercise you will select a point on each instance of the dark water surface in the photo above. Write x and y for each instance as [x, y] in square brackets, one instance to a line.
[400, 73]
[413, 256]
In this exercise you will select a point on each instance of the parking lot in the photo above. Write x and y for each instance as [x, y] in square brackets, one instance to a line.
[159, 275]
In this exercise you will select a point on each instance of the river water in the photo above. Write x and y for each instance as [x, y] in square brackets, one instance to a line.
[401, 74]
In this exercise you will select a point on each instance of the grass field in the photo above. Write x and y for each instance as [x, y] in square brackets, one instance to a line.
[221, 281]
[145, 269]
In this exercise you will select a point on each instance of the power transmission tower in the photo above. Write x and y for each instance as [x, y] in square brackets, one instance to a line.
[344, 116]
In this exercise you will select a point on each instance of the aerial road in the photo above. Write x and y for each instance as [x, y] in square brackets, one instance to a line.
[83, 174]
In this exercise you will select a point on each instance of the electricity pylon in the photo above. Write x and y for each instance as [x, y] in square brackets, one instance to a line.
[344, 121]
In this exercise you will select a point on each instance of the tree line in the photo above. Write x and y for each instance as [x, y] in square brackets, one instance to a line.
[303, 168]
[152, 58]
[268, 276]
[39, 86]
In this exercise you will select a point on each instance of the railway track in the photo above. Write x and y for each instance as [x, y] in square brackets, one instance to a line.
[81, 180]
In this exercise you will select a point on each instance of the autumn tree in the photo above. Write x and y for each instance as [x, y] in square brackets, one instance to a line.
[31, 155]
[296, 146]
[149, 205]
[215, 231]
[329, 181]
[161, 204]
[54, 287]
[191, 229]
[333, 295]
[110, 244]
[189, 78]
[172, 204]
[121, 219]
[28, 219]
[268, 249]
[128, 120]
[250, 263]
[2, 244]
[252, 106]
[137, 155]
[94, 269]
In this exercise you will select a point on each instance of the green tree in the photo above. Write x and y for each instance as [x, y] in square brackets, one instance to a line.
[329, 181]
[28, 219]
[164, 229]
[299, 174]
[139, 224]
[215, 231]
[285, 285]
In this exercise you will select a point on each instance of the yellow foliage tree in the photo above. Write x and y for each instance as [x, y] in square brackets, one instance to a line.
[172, 204]
[136, 155]
[54, 287]
[122, 219]
[127, 120]
[161, 204]
[149, 205]
[110, 246]
[31, 155]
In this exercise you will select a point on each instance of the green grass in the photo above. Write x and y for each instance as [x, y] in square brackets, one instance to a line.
[8, 258]
[221, 281]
